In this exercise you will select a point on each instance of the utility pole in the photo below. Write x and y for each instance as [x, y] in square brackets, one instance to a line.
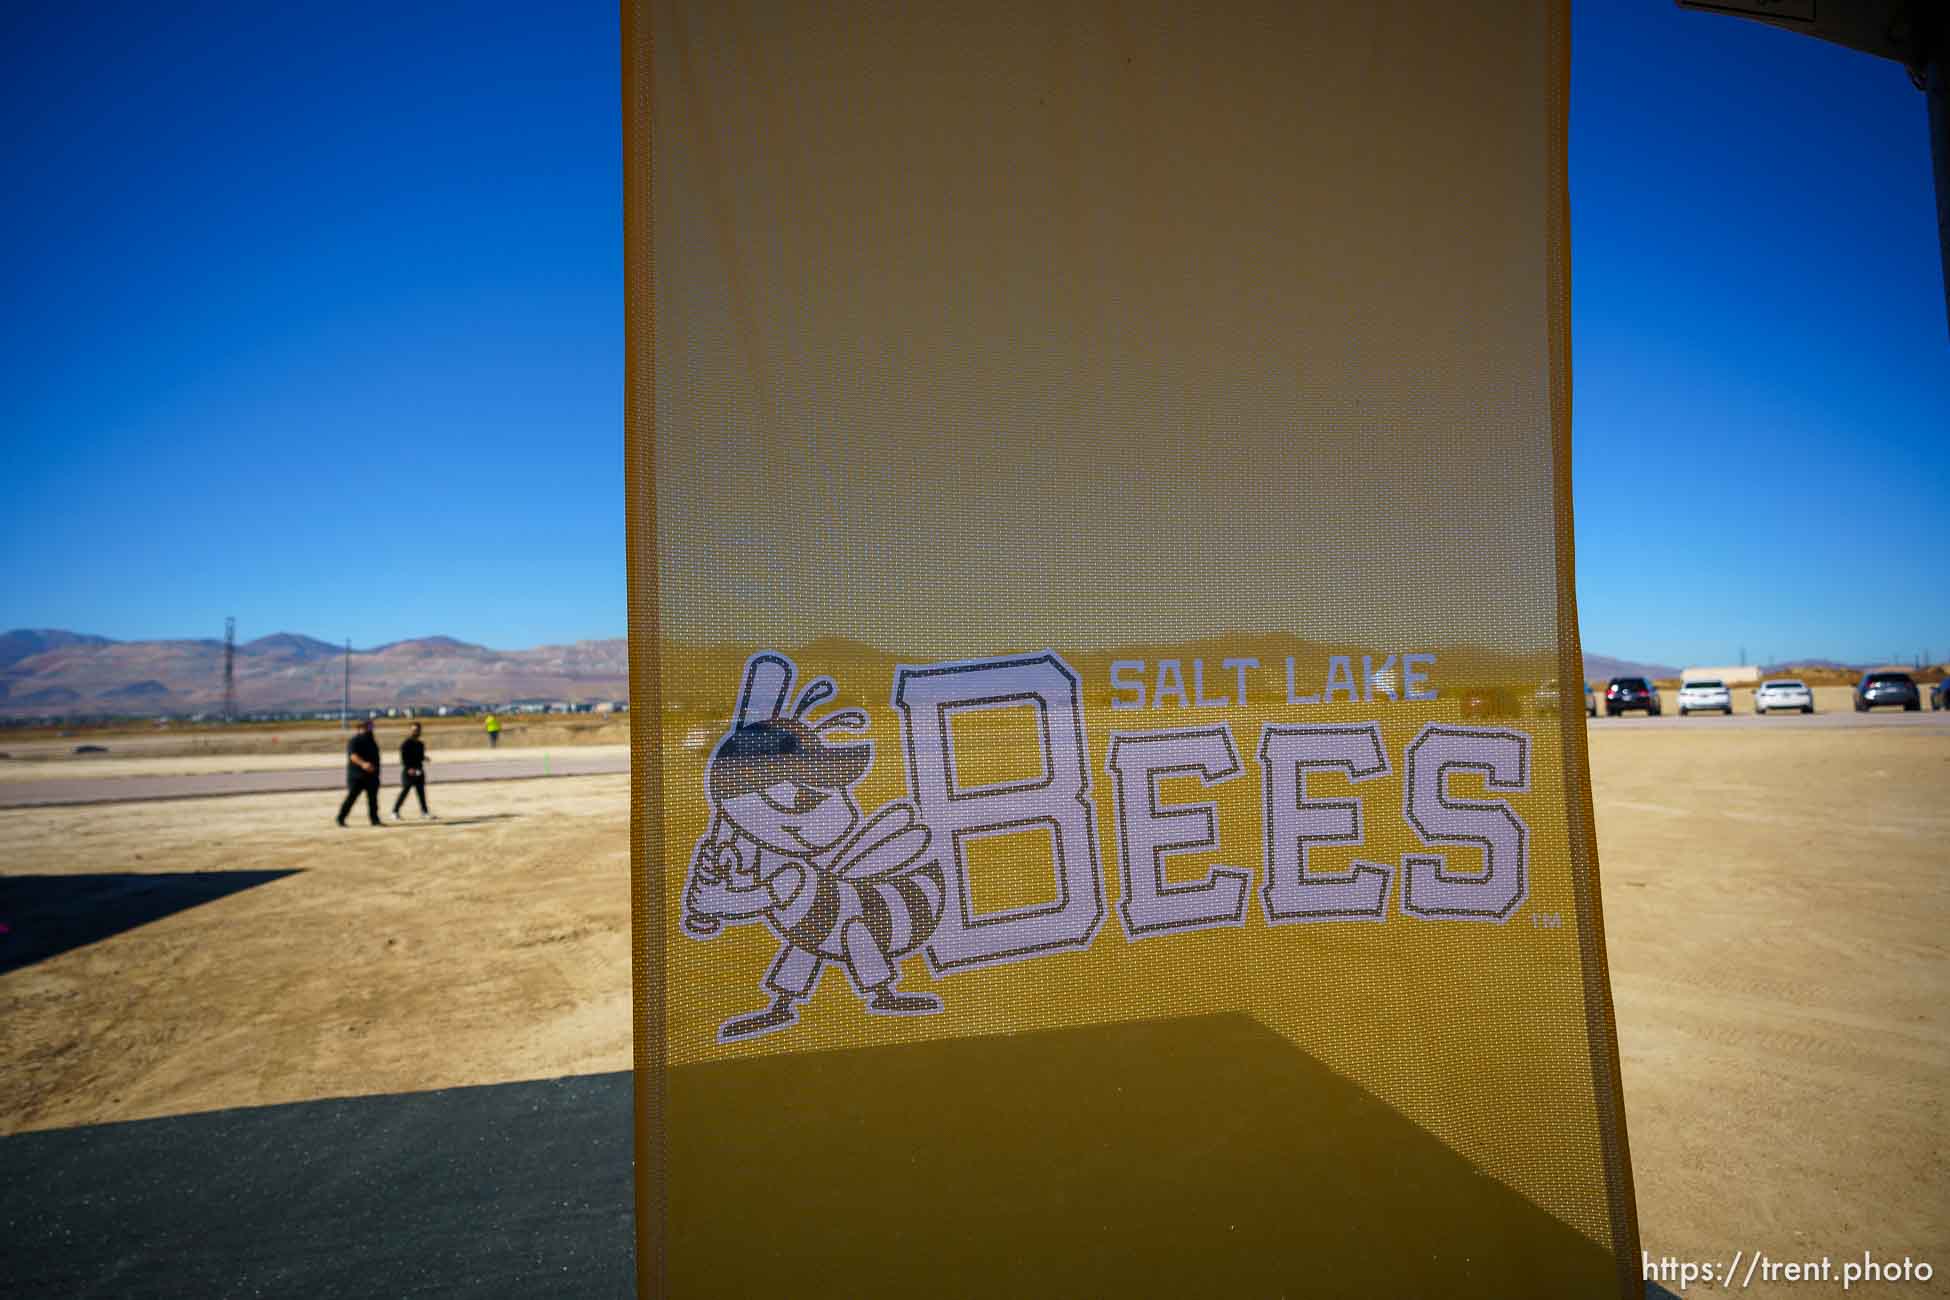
[345, 700]
[230, 669]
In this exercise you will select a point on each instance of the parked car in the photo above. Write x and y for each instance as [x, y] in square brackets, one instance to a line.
[1784, 693]
[1940, 694]
[1624, 694]
[1707, 695]
[1590, 701]
[1877, 689]
[1491, 702]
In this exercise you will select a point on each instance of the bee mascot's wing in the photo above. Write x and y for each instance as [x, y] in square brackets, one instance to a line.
[888, 844]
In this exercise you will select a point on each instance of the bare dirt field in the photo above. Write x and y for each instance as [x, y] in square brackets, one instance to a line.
[1777, 910]
[489, 945]
[1775, 899]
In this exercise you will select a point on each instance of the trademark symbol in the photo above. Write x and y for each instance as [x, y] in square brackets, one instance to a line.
[1546, 920]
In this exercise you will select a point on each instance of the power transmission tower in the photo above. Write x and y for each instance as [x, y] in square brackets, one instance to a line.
[230, 670]
[345, 700]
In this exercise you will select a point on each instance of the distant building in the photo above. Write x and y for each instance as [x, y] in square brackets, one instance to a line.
[1743, 676]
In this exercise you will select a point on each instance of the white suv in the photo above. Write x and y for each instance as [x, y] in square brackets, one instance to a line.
[1705, 696]
[1785, 693]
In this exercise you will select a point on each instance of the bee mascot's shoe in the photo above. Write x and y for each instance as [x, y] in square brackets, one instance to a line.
[888, 1001]
[780, 1014]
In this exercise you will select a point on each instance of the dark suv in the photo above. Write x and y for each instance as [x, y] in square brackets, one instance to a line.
[1886, 688]
[1627, 693]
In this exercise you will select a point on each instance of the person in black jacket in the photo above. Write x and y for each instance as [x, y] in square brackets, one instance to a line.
[362, 773]
[412, 772]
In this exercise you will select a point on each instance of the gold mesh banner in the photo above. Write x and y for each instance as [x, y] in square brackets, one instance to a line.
[1111, 810]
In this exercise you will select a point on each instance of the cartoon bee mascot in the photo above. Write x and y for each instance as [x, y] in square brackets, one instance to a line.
[786, 847]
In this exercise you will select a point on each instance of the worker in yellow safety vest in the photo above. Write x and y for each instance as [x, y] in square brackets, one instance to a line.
[493, 730]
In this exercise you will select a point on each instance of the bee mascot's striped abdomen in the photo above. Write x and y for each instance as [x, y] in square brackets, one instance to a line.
[900, 911]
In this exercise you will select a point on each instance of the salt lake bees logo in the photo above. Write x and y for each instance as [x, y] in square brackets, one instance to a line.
[788, 849]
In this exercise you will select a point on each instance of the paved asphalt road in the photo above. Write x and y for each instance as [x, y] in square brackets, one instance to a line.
[516, 1189]
[124, 789]
[202, 785]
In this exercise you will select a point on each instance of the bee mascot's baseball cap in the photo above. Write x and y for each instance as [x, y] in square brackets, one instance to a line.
[762, 754]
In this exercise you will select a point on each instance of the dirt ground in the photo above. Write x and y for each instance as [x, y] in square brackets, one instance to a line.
[1777, 910]
[1775, 900]
[489, 945]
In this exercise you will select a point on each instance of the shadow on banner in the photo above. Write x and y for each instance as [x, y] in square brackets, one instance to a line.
[1112, 1153]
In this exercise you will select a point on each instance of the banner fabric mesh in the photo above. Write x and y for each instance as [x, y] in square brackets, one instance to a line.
[1111, 809]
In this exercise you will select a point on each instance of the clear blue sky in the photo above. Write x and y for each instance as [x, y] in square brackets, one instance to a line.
[300, 299]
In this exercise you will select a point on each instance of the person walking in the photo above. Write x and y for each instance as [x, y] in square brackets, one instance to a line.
[412, 772]
[493, 731]
[362, 773]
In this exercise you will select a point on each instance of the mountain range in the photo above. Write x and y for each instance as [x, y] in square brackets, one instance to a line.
[47, 672]
[54, 673]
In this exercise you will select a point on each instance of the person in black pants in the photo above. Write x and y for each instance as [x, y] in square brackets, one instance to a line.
[362, 773]
[412, 772]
